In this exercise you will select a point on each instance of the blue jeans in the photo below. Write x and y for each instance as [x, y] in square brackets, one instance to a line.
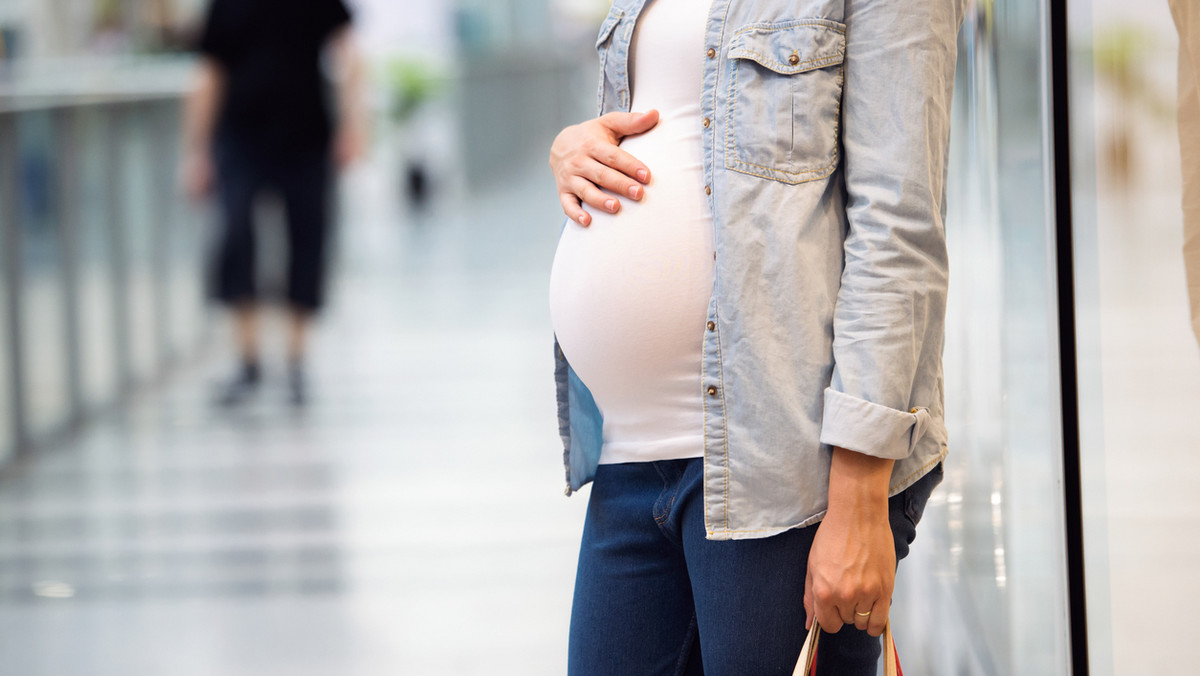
[653, 597]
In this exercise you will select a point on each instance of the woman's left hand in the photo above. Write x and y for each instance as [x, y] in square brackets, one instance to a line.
[852, 564]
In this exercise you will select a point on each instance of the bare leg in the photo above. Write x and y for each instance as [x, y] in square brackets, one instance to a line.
[245, 331]
[298, 320]
[245, 326]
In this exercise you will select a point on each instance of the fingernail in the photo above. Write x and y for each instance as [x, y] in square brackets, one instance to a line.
[643, 175]
[633, 191]
[611, 205]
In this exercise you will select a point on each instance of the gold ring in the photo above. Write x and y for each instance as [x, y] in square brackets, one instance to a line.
[866, 614]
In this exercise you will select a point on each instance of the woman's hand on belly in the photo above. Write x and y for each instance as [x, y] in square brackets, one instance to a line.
[587, 160]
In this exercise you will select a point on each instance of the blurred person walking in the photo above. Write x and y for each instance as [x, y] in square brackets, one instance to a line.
[748, 305]
[1187, 20]
[257, 118]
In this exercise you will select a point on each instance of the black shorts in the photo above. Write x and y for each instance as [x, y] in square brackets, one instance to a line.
[303, 181]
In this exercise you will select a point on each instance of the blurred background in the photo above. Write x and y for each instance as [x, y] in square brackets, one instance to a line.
[409, 519]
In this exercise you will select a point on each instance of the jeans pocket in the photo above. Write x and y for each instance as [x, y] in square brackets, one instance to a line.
[785, 94]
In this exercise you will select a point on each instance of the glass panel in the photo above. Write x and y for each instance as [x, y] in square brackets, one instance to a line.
[186, 273]
[97, 306]
[185, 235]
[138, 233]
[985, 585]
[7, 424]
[43, 332]
[1139, 366]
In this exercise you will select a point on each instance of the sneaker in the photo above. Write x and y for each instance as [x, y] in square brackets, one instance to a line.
[240, 387]
[297, 385]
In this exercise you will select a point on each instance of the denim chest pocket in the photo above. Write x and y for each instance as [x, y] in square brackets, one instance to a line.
[785, 97]
[609, 63]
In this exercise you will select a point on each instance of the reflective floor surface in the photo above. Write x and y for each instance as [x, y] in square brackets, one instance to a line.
[410, 521]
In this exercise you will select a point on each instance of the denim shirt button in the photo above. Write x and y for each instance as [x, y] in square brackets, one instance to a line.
[708, 190]
[706, 122]
[712, 53]
[794, 59]
[712, 390]
[712, 326]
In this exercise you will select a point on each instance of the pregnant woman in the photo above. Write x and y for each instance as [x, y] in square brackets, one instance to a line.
[748, 302]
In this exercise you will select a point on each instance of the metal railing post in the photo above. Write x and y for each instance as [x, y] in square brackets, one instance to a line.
[66, 129]
[10, 218]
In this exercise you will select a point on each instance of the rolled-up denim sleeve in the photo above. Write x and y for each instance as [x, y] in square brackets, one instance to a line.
[890, 313]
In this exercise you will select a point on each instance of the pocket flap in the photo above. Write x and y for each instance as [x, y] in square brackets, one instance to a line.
[610, 22]
[791, 47]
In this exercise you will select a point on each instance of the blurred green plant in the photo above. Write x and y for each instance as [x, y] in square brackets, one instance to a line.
[411, 83]
[1120, 53]
[108, 14]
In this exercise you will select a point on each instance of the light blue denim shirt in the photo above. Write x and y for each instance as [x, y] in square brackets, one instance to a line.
[825, 129]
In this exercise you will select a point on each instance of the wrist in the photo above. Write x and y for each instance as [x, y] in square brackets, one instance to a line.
[858, 483]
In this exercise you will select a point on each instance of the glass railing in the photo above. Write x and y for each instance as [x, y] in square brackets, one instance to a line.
[80, 81]
[101, 254]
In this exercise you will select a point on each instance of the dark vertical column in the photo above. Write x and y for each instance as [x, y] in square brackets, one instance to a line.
[1064, 235]
[117, 211]
[10, 248]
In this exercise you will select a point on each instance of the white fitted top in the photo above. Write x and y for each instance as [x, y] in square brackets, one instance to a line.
[629, 295]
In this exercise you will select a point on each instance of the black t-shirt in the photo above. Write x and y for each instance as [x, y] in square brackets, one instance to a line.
[275, 98]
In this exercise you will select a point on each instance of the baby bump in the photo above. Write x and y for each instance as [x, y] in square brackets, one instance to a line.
[629, 295]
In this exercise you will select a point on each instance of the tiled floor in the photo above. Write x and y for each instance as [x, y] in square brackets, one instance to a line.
[410, 521]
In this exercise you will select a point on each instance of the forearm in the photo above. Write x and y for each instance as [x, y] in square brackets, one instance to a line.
[858, 484]
[351, 80]
[852, 564]
[201, 107]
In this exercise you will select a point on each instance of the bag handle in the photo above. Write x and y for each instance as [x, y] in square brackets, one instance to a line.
[807, 664]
